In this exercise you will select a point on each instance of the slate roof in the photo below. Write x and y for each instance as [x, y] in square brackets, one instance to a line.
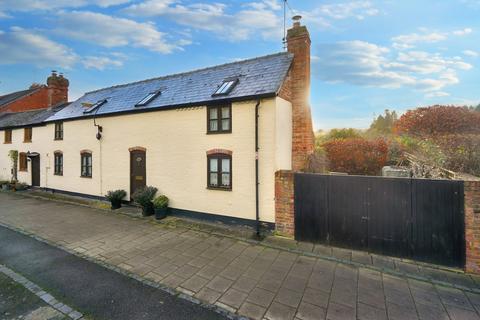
[28, 118]
[6, 99]
[262, 76]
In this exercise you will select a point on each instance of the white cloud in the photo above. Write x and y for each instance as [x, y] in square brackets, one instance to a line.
[262, 17]
[437, 94]
[471, 53]
[101, 63]
[366, 64]
[254, 17]
[462, 32]
[20, 45]
[3, 15]
[107, 31]
[410, 40]
[46, 5]
[325, 15]
[340, 11]
[26, 46]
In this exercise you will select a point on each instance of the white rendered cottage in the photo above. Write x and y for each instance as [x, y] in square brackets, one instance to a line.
[209, 139]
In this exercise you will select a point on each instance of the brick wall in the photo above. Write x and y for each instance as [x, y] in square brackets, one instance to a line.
[52, 94]
[284, 209]
[37, 100]
[472, 226]
[57, 89]
[286, 89]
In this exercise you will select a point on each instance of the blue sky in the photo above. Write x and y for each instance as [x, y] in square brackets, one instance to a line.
[366, 55]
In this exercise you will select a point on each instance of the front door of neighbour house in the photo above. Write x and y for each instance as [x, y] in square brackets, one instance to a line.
[35, 171]
[138, 172]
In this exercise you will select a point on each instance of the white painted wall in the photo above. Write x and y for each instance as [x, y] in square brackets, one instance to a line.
[176, 143]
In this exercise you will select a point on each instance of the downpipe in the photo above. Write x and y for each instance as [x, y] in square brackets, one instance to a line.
[257, 183]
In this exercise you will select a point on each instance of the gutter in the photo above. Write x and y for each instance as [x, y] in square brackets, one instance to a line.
[257, 208]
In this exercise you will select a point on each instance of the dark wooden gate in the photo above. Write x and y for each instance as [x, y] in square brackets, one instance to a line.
[35, 171]
[414, 218]
[138, 171]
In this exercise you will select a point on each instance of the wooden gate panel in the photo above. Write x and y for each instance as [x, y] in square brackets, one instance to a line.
[437, 215]
[347, 212]
[311, 201]
[389, 207]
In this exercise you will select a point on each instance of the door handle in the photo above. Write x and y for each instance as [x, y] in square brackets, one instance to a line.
[365, 218]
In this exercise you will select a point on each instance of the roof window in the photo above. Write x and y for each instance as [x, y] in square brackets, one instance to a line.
[95, 106]
[148, 98]
[226, 87]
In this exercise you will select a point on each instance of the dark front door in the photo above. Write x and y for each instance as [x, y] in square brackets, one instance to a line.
[138, 171]
[35, 171]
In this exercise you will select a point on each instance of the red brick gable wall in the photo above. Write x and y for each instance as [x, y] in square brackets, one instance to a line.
[54, 93]
[286, 91]
[36, 100]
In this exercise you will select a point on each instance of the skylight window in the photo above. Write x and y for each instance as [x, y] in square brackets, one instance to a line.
[226, 87]
[148, 98]
[95, 106]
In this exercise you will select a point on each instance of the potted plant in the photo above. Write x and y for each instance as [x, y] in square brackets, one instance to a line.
[161, 207]
[4, 185]
[115, 198]
[144, 198]
[20, 186]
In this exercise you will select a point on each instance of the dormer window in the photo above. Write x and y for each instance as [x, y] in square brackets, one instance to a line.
[95, 106]
[226, 87]
[148, 98]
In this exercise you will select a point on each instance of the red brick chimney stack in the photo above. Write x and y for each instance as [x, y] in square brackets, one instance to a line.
[298, 43]
[57, 89]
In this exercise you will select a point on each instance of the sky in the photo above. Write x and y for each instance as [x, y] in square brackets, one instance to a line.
[367, 56]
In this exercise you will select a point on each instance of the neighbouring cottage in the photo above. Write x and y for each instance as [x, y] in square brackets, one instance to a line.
[37, 96]
[206, 138]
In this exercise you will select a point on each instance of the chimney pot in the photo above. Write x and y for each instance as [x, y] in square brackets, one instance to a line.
[296, 20]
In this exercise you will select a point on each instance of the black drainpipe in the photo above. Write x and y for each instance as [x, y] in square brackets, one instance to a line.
[257, 209]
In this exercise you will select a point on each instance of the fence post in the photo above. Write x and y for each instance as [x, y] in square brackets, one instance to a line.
[472, 226]
[284, 203]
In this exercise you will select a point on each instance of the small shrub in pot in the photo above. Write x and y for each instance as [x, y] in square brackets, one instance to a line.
[4, 184]
[144, 198]
[161, 207]
[115, 198]
[19, 186]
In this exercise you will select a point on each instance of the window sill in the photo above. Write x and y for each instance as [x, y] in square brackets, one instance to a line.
[27, 141]
[58, 175]
[86, 177]
[57, 139]
[219, 132]
[8, 142]
[20, 170]
[219, 188]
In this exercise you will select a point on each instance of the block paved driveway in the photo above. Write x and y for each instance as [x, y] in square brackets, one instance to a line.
[251, 280]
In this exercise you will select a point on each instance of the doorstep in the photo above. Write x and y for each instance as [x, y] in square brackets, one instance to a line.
[440, 275]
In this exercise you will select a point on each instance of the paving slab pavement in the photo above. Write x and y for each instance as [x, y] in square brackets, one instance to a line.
[97, 292]
[249, 279]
